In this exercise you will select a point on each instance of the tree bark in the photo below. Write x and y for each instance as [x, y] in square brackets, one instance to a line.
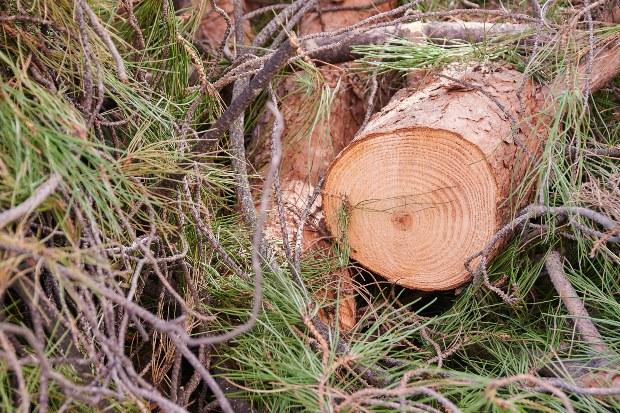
[440, 170]
[430, 178]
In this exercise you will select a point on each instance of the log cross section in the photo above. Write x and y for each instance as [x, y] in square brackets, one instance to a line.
[435, 174]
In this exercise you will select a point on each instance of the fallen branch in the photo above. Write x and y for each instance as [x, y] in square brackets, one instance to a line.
[558, 387]
[440, 32]
[376, 22]
[611, 152]
[258, 83]
[105, 37]
[236, 132]
[491, 390]
[583, 323]
[263, 36]
[37, 198]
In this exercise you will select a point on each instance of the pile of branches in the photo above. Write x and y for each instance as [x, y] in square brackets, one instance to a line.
[118, 200]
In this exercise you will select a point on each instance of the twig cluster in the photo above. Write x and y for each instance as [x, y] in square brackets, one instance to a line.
[96, 320]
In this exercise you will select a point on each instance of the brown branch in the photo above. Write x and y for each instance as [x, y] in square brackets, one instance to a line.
[237, 128]
[222, 45]
[133, 22]
[440, 32]
[586, 328]
[258, 83]
[403, 391]
[263, 10]
[491, 390]
[293, 21]
[107, 40]
[37, 198]
[263, 36]
[611, 151]
[10, 356]
[278, 130]
[87, 99]
[32, 19]
[371, 4]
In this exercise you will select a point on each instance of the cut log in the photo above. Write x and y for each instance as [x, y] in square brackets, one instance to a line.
[438, 171]
[429, 180]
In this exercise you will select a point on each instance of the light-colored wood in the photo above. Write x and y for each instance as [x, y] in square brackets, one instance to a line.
[433, 175]
[341, 45]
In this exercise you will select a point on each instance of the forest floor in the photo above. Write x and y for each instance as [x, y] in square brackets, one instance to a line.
[138, 266]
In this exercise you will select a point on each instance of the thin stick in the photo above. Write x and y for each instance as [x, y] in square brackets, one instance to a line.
[133, 22]
[13, 364]
[30, 204]
[370, 106]
[87, 99]
[278, 129]
[491, 390]
[263, 10]
[261, 38]
[287, 29]
[583, 323]
[276, 62]
[237, 141]
[105, 37]
[222, 45]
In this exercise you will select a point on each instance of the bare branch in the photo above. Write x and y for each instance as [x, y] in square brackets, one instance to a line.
[258, 83]
[586, 328]
[105, 37]
[37, 198]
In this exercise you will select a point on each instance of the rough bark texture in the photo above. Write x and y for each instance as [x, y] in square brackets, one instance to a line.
[605, 67]
[433, 175]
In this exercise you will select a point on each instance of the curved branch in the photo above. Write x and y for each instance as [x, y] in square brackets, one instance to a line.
[37, 198]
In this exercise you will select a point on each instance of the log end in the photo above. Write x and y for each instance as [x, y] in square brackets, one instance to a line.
[412, 204]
